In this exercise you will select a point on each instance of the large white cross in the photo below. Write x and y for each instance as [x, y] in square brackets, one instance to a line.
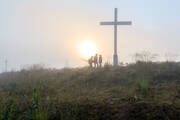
[116, 23]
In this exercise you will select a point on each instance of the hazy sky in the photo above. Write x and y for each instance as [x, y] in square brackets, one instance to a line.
[49, 31]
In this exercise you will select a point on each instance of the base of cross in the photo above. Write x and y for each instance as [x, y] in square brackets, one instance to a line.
[115, 60]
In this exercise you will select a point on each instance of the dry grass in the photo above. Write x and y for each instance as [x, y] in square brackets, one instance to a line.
[37, 93]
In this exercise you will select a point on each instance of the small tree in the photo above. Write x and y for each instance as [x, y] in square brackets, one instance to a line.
[170, 57]
[145, 56]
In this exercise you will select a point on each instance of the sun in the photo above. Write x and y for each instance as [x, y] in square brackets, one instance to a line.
[87, 49]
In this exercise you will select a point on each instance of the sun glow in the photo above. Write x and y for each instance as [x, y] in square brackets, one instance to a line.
[87, 49]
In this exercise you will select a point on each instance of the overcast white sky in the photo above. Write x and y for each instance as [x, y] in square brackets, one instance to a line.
[49, 31]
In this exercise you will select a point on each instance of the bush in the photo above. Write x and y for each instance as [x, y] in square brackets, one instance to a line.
[143, 87]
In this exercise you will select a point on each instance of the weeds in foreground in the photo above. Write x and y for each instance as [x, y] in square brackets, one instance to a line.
[79, 94]
[9, 111]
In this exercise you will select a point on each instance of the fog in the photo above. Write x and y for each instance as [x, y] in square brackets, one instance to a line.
[49, 31]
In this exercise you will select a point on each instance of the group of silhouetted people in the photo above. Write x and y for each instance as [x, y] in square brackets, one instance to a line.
[95, 61]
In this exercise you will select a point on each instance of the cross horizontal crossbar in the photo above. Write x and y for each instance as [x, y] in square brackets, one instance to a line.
[116, 23]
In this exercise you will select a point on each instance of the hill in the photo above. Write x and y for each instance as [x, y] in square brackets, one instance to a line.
[141, 91]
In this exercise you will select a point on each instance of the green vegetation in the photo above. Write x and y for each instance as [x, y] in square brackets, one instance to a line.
[141, 91]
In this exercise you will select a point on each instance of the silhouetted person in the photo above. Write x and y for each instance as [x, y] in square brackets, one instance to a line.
[100, 60]
[96, 61]
[90, 61]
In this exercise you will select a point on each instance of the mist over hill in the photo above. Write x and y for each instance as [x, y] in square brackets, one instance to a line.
[140, 91]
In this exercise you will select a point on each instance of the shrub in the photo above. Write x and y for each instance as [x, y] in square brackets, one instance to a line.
[143, 87]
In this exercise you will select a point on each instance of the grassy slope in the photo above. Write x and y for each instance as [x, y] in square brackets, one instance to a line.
[137, 91]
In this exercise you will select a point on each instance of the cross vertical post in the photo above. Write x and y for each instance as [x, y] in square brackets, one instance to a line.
[115, 56]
